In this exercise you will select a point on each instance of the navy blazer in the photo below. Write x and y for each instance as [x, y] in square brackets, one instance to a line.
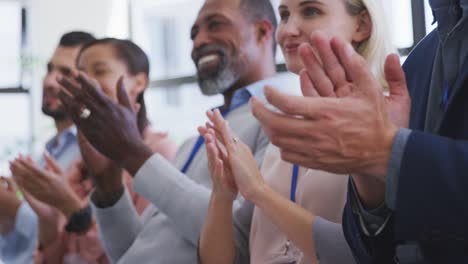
[431, 212]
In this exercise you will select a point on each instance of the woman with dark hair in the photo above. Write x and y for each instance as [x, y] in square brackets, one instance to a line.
[107, 61]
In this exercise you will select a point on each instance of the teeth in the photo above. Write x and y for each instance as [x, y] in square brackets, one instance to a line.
[207, 59]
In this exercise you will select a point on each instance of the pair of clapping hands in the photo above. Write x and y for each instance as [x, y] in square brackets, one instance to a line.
[343, 124]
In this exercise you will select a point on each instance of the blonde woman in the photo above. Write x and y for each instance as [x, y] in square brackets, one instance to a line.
[292, 214]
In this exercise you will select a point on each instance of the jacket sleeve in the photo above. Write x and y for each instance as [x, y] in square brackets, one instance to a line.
[431, 198]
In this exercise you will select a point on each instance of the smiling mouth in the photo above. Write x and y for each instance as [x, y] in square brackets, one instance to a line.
[209, 63]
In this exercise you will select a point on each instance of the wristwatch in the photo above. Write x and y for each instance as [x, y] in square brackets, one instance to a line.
[81, 221]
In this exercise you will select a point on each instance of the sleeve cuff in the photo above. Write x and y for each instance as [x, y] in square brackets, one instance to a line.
[372, 222]
[394, 166]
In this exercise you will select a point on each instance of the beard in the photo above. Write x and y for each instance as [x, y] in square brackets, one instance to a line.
[221, 80]
[58, 114]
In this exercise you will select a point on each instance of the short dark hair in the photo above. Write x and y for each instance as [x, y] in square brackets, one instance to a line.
[136, 61]
[256, 10]
[76, 38]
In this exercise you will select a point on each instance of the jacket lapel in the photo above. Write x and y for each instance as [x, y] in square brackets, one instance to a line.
[458, 86]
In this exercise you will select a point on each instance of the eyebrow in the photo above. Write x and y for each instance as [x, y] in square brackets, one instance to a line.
[306, 2]
[99, 64]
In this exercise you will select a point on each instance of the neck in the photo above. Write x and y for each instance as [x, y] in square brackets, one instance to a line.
[262, 71]
[62, 125]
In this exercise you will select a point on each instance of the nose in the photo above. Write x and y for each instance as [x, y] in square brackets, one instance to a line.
[290, 28]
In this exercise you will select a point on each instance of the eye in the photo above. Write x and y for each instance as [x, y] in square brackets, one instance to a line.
[310, 12]
[99, 72]
[284, 15]
[213, 25]
[193, 33]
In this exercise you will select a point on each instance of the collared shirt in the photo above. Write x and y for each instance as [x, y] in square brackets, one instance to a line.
[169, 228]
[18, 246]
[63, 148]
[453, 49]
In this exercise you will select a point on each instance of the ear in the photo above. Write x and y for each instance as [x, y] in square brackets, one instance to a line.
[140, 81]
[264, 31]
[364, 28]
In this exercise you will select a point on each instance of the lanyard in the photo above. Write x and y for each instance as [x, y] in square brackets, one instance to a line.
[446, 95]
[295, 173]
[200, 141]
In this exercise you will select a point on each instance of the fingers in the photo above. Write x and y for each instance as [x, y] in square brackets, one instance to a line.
[395, 76]
[122, 95]
[321, 82]
[70, 86]
[222, 129]
[355, 66]
[72, 108]
[8, 183]
[51, 163]
[332, 66]
[307, 87]
[293, 105]
[90, 89]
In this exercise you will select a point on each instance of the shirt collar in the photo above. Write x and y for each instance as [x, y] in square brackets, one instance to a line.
[255, 89]
[61, 140]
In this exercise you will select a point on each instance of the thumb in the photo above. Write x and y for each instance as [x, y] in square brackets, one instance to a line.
[395, 76]
[122, 95]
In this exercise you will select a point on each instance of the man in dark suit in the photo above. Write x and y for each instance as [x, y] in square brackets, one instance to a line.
[407, 198]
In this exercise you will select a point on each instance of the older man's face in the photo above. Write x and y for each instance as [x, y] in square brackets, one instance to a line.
[221, 38]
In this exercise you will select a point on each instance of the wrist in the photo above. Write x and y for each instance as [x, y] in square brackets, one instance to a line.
[223, 197]
[371, 191]
[136, 156]
[259, 194]
[103, 198]
[382, 158]
[71, 206]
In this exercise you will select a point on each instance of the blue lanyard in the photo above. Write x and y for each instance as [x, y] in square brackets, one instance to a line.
[295, 173]
[446, 95]
[200, 141]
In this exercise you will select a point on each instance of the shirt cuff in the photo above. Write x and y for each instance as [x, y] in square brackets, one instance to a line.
[372, 222]
[391, 182]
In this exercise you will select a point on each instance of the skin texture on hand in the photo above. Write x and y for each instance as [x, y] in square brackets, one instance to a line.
[236, 158]
[47, 186]
[348, 135]
[111, 127]
[344, 123]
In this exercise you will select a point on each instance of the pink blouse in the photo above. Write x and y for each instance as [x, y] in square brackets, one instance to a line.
[322, 193]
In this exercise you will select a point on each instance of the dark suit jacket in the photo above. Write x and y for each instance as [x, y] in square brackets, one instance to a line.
[432, 201]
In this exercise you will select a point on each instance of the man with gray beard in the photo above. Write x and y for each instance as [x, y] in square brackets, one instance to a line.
[233, 50]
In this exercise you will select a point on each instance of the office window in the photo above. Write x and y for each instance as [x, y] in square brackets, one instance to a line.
[162, 29]
[10, 37]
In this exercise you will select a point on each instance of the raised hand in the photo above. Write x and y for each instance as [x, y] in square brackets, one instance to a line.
[346, 135]
[238, 157]
[45, 186]
[220, 170]
[111, 127]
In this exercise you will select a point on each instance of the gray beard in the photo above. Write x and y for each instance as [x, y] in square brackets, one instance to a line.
[220, 83]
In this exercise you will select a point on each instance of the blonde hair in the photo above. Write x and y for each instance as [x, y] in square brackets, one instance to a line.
[380, 43]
